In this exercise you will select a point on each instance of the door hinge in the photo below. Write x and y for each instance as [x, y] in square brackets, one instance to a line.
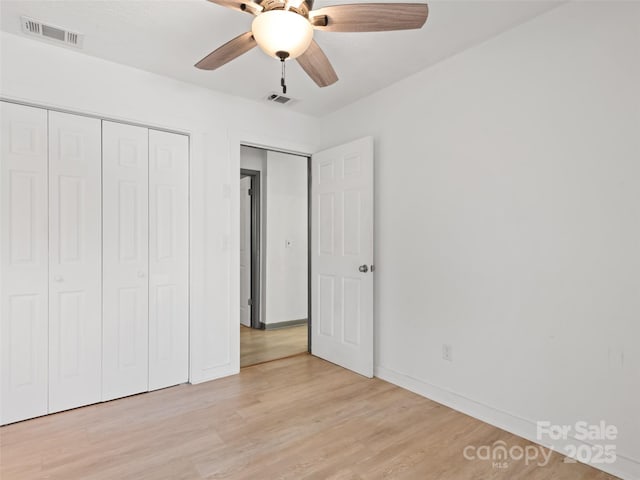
[250, 301]
[250, 191]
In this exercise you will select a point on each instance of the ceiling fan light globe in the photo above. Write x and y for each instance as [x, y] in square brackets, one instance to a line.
[282, 31]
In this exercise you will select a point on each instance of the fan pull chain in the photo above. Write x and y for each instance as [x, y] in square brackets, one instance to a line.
[283, 56]
[282, 79]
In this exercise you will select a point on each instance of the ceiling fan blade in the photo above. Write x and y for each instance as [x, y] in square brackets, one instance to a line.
[317, 65]
[247, 6]
[227, 52]
[370, 17]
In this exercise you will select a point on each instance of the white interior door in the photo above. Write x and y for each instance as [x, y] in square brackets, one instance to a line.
[168, 259]
[342, 255]
[125, 317]
[245, 251]
[23, 263]
[75, 213]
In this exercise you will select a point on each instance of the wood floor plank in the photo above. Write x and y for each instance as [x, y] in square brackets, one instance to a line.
[291, 419]
[258, 346]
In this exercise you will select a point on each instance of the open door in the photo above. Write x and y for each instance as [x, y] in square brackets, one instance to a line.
[342, 255]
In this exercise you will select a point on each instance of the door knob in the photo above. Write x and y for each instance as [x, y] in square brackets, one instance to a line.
[364, 268]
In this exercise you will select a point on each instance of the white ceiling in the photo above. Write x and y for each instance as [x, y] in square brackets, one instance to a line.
[168, 37]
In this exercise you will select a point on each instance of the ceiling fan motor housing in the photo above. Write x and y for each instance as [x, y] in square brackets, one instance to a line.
[303, 8]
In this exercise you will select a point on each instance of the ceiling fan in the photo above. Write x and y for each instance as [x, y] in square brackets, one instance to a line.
[284, 30]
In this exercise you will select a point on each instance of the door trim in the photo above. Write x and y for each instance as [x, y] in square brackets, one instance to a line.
[256, 256]
[309, 246]
[236, 138]
[98, 116]
[248, 172]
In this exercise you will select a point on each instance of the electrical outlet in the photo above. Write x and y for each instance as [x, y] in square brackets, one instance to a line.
[446, 353]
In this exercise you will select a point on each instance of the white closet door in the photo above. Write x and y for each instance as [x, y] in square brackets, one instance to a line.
[23, 265]
[75, 313]
[125, 260]
[168, 259]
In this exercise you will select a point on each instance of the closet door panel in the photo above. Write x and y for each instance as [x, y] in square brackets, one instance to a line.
[125, 260]
[23, 262]
[75, 313]
[168, 259]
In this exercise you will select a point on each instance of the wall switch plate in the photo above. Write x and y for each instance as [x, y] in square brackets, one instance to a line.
[446, 353]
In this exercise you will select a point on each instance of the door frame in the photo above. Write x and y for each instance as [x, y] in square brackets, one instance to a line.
[256, 250]
[243, 172]
[236, 139]
[309, 245]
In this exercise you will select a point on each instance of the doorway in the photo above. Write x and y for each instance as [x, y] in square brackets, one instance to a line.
[274, 255]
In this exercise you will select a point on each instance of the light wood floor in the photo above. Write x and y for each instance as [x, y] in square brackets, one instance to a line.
[257, 346]
[295, 418]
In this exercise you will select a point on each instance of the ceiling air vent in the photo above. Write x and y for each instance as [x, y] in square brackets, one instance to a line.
[50, 32]
[281, 99]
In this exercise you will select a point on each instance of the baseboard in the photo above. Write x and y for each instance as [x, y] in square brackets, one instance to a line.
[290, 323]
[214, 374]
[624, 467]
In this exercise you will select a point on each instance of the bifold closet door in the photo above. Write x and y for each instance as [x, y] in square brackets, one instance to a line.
[75, 312]
[125, 177]
[168, 259]
[23, 263]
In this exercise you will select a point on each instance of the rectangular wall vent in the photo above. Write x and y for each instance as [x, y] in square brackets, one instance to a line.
[281, 99]
[30, 26]
[50, 32]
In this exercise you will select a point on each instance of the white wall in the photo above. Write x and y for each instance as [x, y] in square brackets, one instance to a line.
[287, 266]
[508, 224]
[37, 72]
